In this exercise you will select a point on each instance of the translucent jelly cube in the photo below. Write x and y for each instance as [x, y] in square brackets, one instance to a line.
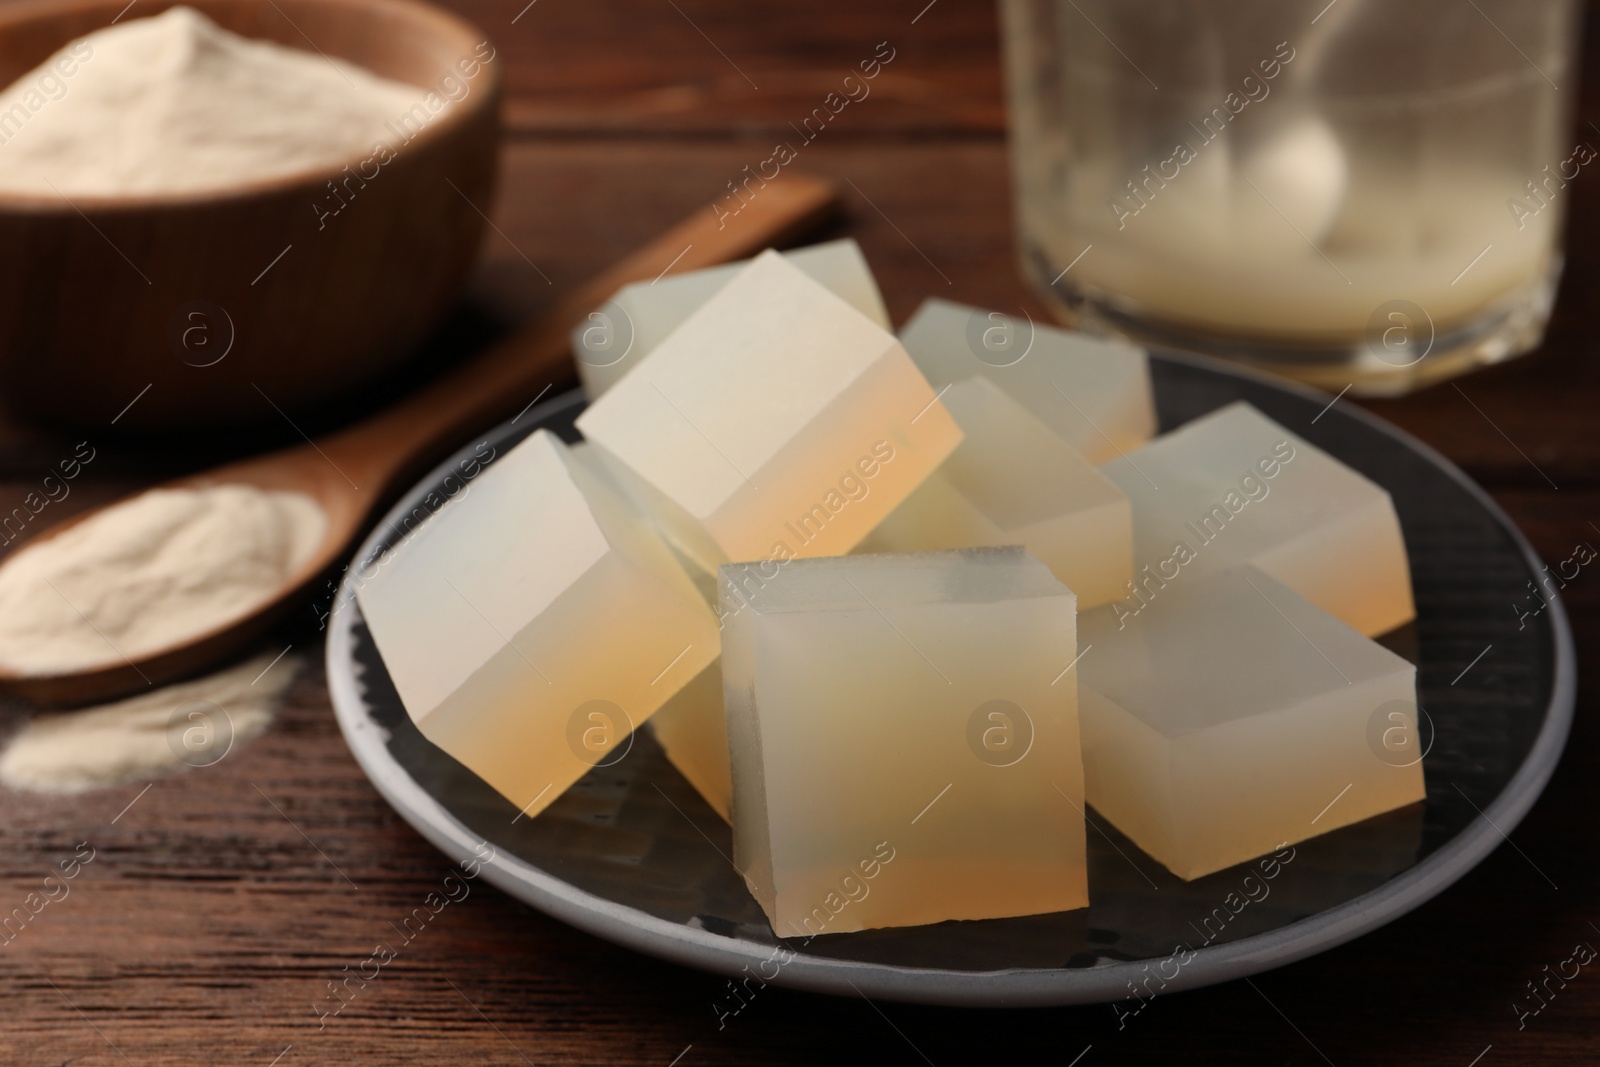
[534, 621]
[1235, 487]
[776, 421]
[693, 732]
[1013, 482]
[904, 739]
[689, 727]
[1233, 717]
[936, 515]
[616, 338]
[1091, 392]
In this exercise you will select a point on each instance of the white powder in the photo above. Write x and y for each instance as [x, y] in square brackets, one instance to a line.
[192, 724]
[174, 103]
[150, 572]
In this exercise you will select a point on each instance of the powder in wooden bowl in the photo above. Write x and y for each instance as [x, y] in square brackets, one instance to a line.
[176, 104]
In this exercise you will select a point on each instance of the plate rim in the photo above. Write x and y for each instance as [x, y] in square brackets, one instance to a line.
[1010, 987]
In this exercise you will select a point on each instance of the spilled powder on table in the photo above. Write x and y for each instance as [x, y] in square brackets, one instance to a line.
[195, 723]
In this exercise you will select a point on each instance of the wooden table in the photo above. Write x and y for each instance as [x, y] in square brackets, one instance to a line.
[220, 904]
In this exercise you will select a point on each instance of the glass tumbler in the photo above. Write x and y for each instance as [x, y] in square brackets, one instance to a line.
[1356, 193]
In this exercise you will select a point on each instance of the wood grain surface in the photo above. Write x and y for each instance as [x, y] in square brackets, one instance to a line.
[221, 903]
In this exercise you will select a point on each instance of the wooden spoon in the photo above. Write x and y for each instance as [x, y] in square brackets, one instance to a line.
[351, 472]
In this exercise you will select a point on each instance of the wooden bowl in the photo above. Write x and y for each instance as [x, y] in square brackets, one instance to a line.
[215, 309]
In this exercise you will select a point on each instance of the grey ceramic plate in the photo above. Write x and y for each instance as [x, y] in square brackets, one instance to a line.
[632, 854]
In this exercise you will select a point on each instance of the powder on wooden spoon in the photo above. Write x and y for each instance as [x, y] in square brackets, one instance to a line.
[174, 103]
[148, 573]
